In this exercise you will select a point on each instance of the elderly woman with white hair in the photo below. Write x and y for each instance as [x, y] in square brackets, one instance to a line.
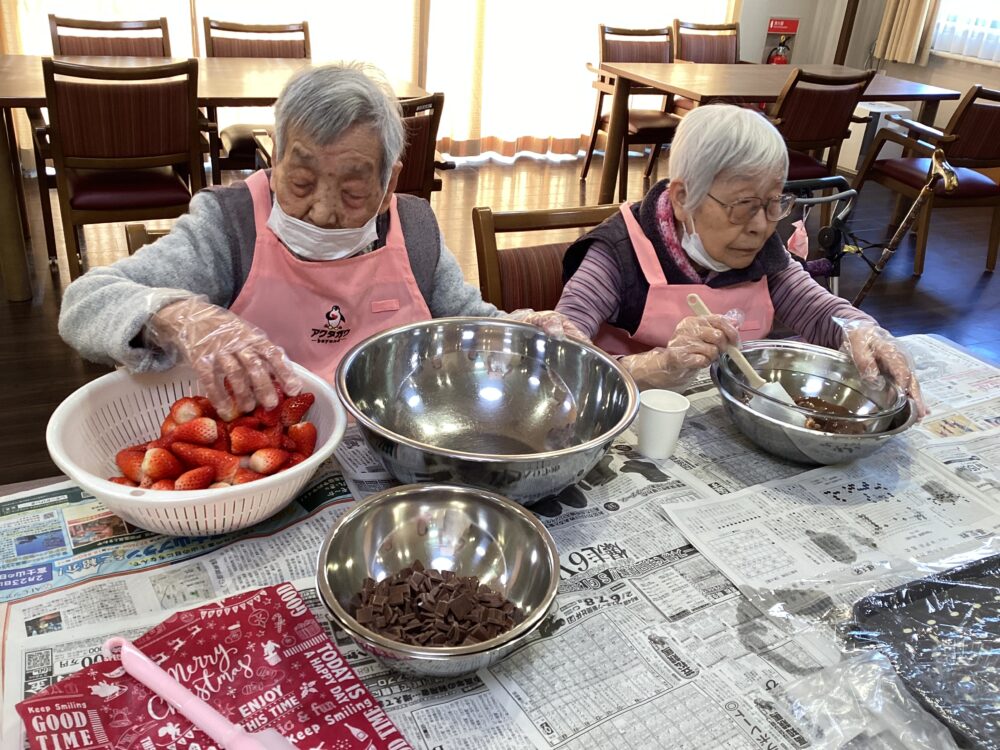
[710, 229]
[305, 260]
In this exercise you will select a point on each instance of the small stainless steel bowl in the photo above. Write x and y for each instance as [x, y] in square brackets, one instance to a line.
[468, 531]
[804, 369]
[486, 402]
[807, 370]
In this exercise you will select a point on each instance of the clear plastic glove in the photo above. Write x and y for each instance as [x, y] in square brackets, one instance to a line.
[224, 350]
[555, 324]
[876, 354]
[697, 342]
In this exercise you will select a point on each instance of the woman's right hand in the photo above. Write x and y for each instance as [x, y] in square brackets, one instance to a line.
[224, 350]
[698, 340]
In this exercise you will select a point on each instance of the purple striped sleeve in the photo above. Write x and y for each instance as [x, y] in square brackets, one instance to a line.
[807, 308]
[591, 296]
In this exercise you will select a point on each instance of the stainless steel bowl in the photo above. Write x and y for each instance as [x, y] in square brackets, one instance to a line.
[814, 371]
[804, 369]
[467, 531]
[486, 402]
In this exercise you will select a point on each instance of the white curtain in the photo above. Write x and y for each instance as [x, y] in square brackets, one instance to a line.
[970, 28]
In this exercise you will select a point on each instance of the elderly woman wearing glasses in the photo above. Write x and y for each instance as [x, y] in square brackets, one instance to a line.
[710, 229]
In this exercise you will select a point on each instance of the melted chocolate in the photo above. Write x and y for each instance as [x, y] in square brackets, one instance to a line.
[831, 424]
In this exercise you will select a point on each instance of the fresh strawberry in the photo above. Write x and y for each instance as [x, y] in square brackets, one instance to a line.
[207, 410]
[269, 417]
[146, 483]
[246, 475]
[130, 462]
[225, 464]
[268, 460]
[159, 463]
[162, 484]
[185, 409]
[287, 443]
[195, 479]
[247, 420]
[123, 480]
[295, 407]
[200, 430]
[222, 442]
[295, 458]
[219, 485]
[304, 435]
[243, 440]
[168, 426]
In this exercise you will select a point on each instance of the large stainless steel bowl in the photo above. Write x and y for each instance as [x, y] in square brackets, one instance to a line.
[808, 370]
[467, 531]
[486, 402]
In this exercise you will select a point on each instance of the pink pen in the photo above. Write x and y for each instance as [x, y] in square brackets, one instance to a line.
[225, 734]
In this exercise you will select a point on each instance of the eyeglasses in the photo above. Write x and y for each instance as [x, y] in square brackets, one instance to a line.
[743, 210]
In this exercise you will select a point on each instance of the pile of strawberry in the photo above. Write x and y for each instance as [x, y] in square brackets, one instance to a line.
[198, 450]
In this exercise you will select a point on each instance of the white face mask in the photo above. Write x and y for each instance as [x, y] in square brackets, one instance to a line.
[696, 251]
[315, 243]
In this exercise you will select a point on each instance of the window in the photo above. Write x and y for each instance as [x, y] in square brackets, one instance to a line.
[968, 29]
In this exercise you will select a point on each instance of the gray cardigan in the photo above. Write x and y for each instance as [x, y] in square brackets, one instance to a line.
[209, 252]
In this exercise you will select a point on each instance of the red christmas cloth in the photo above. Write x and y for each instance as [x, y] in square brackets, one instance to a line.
[260, 659]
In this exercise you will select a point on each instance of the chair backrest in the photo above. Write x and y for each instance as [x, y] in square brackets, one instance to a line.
[124, 117]
[706, 42]
[814, 111]
[975, 125]
[421, 117]
[635, 45]
[529, 276]
[110, 38]
[225, 39]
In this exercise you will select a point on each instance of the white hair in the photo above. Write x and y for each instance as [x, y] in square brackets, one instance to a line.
[722, 140]
[323, 102]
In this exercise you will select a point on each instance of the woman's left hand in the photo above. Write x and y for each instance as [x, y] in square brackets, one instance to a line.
[555, 324]
[877, 353]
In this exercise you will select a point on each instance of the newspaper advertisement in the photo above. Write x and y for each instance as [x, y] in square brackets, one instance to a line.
[949, 377]
[61, 535]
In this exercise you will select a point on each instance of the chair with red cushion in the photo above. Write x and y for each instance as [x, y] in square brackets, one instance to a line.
[226, 39]
[970, 143]
[653, 127]
[99, 38]
[126, 143]
[527, 276]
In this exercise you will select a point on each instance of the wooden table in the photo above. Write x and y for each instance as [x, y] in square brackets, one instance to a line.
[222, 82]
[736, 83]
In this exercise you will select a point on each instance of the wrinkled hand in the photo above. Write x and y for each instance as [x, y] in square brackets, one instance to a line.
[555, 324]
[223, 349]
[876, 354]
[697, 342]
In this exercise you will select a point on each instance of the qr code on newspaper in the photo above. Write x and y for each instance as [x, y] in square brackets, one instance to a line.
[38, 661]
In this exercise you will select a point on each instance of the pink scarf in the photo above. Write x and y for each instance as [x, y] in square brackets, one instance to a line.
[668, 233]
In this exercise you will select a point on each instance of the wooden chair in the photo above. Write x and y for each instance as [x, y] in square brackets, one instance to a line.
[126, 143]
[421, 116]
[137, 235]
[814, 113]
[225, 39]
[970, 144]
[104, 38]
[529, 276]
[653, 127]
[715, 43]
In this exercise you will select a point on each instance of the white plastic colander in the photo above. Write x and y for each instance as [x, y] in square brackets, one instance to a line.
[120, 409]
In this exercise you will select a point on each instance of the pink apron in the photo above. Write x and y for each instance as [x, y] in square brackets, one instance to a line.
[666, 304]
[317, 310]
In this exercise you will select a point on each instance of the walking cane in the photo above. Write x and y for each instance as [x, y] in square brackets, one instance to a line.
[940, 170]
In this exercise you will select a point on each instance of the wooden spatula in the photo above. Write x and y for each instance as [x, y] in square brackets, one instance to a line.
[769, 388]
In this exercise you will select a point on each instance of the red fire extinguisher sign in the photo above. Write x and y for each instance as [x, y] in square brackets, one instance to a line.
[783, 26]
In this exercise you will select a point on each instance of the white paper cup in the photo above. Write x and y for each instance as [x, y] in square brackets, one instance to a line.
[661, 414]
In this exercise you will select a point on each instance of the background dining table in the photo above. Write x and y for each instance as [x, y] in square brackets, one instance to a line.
[737, 83]
[222, 82]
